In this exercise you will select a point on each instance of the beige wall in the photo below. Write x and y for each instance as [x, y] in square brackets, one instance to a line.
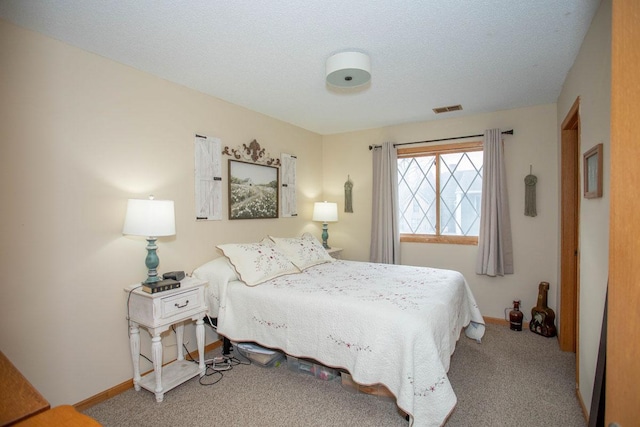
[534, 239]
[590, 79]
[80, 135]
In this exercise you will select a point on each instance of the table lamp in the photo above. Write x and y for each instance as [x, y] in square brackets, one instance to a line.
[152, 219]
[325, 212]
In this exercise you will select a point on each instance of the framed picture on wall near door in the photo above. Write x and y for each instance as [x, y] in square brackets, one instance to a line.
[592, 170]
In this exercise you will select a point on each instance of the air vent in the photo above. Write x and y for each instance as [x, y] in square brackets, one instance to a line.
[447, 109]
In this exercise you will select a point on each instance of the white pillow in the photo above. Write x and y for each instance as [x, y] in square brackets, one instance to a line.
[257, 262]
[303, 251]
[217, 272]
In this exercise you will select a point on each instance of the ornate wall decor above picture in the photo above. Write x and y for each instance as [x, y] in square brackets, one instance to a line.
[251, 153]
[348, 195]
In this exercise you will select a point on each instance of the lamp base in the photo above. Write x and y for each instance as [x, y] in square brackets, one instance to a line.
[151, 280]
[152, 261]
[325, 235]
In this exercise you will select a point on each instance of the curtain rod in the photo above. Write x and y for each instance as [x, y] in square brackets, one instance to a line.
[506, 132]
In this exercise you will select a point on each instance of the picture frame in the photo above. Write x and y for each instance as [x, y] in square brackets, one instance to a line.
[253, 190]
[592, 170]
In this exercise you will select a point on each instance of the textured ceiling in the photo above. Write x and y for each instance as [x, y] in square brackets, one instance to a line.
[269, 56]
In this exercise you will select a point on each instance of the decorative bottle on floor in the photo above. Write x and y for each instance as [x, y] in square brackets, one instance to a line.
[542, 317]
[515, 317]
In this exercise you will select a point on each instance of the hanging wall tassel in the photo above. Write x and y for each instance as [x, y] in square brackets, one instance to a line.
[530, 194]
[348, 195]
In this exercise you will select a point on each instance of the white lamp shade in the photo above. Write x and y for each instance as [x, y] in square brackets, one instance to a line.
[348, 69]
[325, 212]
[151, 218]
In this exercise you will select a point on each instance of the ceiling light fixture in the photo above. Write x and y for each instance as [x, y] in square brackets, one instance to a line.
[348, 69]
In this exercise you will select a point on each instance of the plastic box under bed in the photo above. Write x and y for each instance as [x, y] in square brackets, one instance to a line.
[270, 358]
[310, 368]
[261, 356]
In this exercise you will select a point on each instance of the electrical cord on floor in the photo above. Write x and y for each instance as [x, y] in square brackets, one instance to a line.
[209, 372]
[212, 367]
[150, 361]
[217, 365]
[220, 363]
[246, 360]
[231, 360]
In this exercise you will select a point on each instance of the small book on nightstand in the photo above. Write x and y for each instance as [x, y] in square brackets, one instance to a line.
[162, 285]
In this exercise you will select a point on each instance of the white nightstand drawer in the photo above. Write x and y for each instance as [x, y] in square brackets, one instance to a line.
[161, 309]
[180, 303]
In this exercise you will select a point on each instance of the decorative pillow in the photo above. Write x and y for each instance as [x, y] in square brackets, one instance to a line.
[257, 262]
[304, 252]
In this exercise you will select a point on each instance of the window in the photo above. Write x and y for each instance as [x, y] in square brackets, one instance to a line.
[439, 193]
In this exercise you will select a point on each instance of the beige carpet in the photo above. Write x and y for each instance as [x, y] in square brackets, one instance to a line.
[511, 379]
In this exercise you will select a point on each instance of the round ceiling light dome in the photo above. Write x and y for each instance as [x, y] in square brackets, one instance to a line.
[348, 69]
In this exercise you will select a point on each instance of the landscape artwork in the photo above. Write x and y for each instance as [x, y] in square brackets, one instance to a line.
[253, 190]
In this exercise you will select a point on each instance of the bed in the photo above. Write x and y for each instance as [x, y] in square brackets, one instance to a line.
[388, 324]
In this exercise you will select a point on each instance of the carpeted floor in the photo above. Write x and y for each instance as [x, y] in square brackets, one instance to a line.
[511, 379]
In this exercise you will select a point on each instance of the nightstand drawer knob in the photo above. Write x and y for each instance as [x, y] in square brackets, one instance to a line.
[183, 305]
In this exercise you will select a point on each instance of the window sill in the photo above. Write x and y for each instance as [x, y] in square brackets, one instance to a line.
[452, 240]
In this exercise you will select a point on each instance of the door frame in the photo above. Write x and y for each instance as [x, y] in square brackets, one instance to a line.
[568, 331]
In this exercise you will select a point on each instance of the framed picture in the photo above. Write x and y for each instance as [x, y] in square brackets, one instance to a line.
[592, 169]
[253, 190]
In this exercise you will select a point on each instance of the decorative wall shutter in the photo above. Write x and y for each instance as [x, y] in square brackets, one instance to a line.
[288, 186]
[208, 177]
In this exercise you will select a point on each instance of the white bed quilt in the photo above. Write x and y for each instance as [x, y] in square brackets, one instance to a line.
[389, 324]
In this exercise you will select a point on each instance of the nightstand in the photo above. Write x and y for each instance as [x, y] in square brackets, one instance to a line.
[335, 252]
[157, 313]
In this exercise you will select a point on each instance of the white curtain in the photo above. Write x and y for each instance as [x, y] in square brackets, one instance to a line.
[385, 235]
[495, 251]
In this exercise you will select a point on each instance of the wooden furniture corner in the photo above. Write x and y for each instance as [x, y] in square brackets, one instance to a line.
[18, 398]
